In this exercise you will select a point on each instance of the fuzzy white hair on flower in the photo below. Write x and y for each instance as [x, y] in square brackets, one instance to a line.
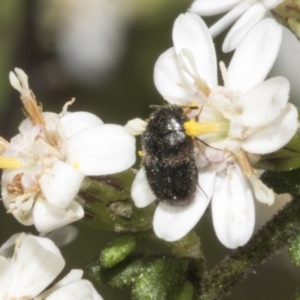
[248, 117]
[45, 164]
[35, 263]
[247, 13]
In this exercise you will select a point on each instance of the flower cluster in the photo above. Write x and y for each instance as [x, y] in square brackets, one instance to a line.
[43, 168]
[45, 164]
[29, 264]
[237, 122]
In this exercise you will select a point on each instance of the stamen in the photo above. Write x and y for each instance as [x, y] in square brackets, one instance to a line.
[66, 106]
[20, 83]
[193, 128]
[23, 78]
[192, 110]
[261, 191]
[9, 162]
[199, 83]
[18, 241]
[203, 87]
[3, 145]
[244, 163]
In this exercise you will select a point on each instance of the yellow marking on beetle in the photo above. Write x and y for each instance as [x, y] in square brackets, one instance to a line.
[9, 162]
[193, 128]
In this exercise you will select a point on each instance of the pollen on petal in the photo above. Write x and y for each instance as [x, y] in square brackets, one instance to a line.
[76, 165]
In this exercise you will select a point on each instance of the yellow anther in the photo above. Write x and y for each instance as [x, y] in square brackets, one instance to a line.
[140, 153]
[9, 162]
[193, 128]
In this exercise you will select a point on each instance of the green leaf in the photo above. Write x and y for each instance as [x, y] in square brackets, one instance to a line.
[283, 182]
[285, 159]
[108, 204]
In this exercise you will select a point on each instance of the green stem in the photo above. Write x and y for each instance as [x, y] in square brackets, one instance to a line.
[266, 242]
[108, 205]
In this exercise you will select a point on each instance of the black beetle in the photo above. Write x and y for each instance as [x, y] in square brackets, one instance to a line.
[168, 156]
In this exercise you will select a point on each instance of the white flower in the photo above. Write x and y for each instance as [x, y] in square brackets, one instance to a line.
[248, 13]
[45, 164]
[244, 118]
[35, 263]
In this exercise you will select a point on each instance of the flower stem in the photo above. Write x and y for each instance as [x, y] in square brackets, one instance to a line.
[266, 242]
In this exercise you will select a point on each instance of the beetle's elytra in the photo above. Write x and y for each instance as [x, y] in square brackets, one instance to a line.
[168, 156]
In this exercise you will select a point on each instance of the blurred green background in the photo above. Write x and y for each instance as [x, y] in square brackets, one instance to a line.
[103, 52]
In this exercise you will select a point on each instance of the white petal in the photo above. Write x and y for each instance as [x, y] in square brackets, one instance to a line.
[35, 265]
[171, 223]
[25, 219]
[275, 135]
[79, 290]
[233, 208]
[75, 122]
[141, 192]
[238, 31]
[168, 80]
[5, 277]
[102, 150]
[212, 7]
[191, 34]
[270, 4]
[265, 102]
[73, 276]
[61, 184]
[261, 191]
[136, 126]
[7, 248]
[48, 217]
[229, 18]
[63, 236]
[286, 61]
[255, 55]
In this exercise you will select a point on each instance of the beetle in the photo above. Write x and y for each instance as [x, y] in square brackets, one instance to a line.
[168, 156]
